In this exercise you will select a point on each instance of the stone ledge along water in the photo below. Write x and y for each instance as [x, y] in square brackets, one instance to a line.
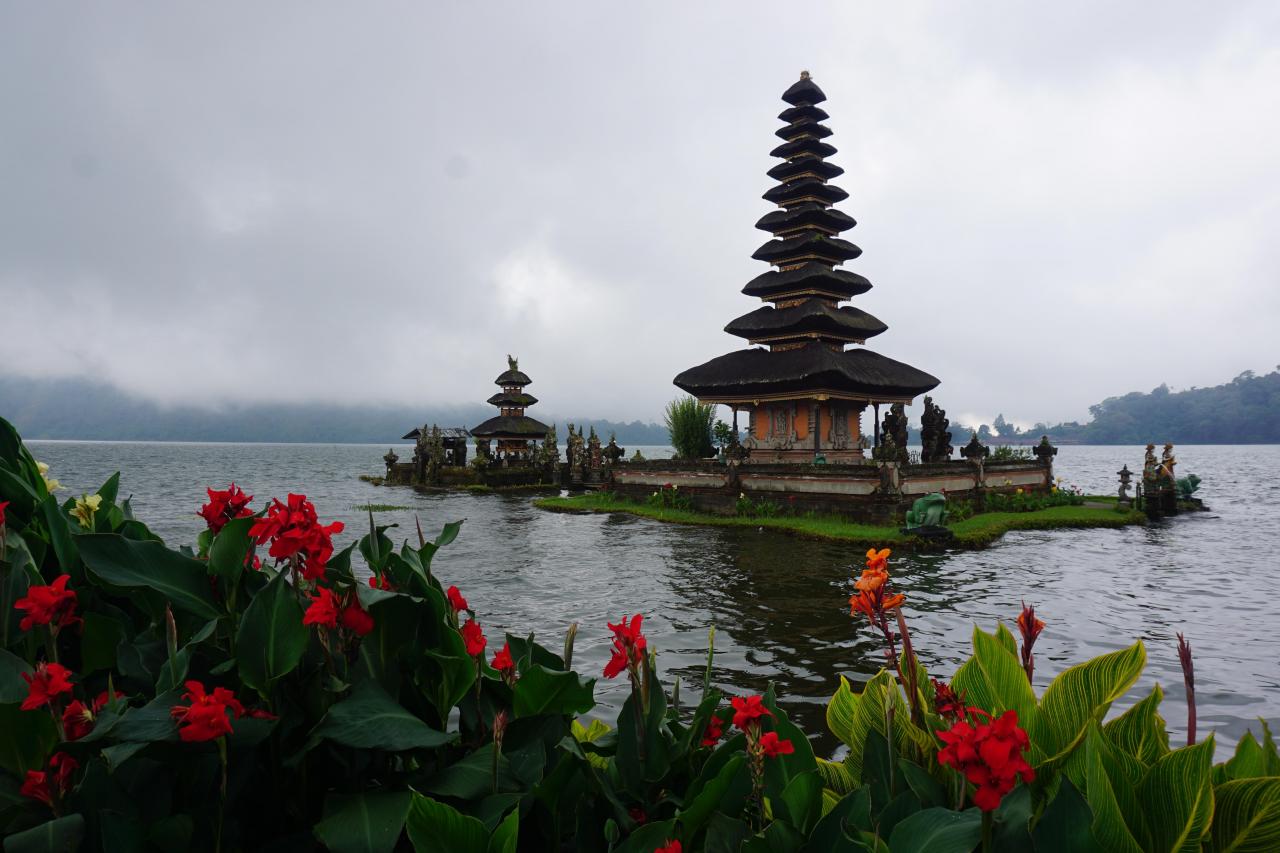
[780, 603]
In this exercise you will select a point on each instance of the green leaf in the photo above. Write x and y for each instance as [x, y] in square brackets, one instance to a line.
[371, 719]
[708, 799]
[504, 838]
[1246, 816]
[1140, 731]
[803, 799]
[938, 831]
[1011, 831]
[649, 837]
[1177, 797]
[448, 533]
[472, 778]
[110, 489]
[230, 548]
[271, 638]
[129, 564]
[363, 823]
[927, 789]
[64, 547]
[1080, 695]
[838, 826]
[29, 737]
[13, 687]
[836, 777]
[1064, 825]
[994, 680]
[544, 691]
[434, 826]
[60, 835]
[850, 716]
[99, 640]
[1111, 796]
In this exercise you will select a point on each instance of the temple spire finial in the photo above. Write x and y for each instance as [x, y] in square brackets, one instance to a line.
[804, 75]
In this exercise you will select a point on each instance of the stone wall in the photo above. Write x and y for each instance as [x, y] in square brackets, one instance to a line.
[871, 492]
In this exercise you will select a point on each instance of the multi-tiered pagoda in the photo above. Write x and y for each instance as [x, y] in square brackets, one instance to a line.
[512, 429]
[804, 390]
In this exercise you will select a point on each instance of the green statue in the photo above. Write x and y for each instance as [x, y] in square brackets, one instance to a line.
[1187, 486]
[928, 511]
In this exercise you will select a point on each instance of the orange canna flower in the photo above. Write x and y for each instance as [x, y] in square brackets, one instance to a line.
[877, 560]
[871, 580]
[893, 601]
[863, 602]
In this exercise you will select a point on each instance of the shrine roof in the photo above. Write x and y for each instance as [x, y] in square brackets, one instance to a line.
[812, 316]
[813, 368]
[511, 426]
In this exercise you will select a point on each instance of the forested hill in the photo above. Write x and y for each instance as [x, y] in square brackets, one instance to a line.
[78, 409]
[1245, 410]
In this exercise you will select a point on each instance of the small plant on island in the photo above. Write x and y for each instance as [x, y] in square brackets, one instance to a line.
[256, 692]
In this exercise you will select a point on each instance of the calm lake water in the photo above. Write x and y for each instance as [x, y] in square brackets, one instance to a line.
[780, 604]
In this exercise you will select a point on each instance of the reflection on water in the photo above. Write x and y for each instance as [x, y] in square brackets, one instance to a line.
[780, 604]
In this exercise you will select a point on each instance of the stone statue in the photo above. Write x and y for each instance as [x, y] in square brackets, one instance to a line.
[577, 455]
[549, 455]
[1125, 477]
[1149, 466]
[1167, 462]
[593, 455]
[1044, 451]
[934, 437]
[391, 459]
[894, 433]
[927, 516]
[975, 451]
[435, 455]
[612, 452]
[513, 362]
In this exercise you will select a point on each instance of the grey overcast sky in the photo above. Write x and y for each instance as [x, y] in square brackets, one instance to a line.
[372, 202]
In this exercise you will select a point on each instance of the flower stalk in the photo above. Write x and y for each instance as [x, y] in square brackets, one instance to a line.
[1188, 679]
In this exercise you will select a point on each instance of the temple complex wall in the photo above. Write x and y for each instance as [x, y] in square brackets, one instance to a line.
[866, 491]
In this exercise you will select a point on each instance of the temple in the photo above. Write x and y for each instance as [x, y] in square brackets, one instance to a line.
[805, 390]
[513, 431]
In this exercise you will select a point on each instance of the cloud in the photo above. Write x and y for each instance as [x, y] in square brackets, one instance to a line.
[237, 203]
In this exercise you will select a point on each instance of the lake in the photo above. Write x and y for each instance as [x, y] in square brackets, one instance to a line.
[780, 604]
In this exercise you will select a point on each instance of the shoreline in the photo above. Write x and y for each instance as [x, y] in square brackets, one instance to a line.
[975, 532]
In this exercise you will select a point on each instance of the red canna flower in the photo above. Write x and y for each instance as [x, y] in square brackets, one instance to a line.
[53, 605]
[503, 662]
[669, 847]
[381, 582]
[323, 610]
[1030, 628]
[747, 711]
[990, 755]
[295, 532]
[474, 638]
[628, 646]
[77, 720]
[3, 504]
[46, 786]
[44, 685]
[223, 506]
[260, 714]
[637, 814]
[206, 718]
[773, 747]
[948, 703]
[714, 731]
[456, 601]
[356, 619]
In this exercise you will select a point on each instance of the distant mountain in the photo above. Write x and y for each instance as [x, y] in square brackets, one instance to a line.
[77, 409]
[1245, 410]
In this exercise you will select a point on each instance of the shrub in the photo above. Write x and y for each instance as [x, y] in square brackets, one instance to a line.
[670, 497]
[216, 698]
[689, 425]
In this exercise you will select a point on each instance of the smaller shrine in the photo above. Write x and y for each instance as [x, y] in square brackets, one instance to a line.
[511, 435]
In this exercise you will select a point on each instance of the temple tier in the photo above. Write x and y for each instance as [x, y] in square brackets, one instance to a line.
[806, 393]
[512, 429]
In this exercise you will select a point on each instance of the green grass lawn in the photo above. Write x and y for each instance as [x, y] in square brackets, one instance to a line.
[973, 532]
